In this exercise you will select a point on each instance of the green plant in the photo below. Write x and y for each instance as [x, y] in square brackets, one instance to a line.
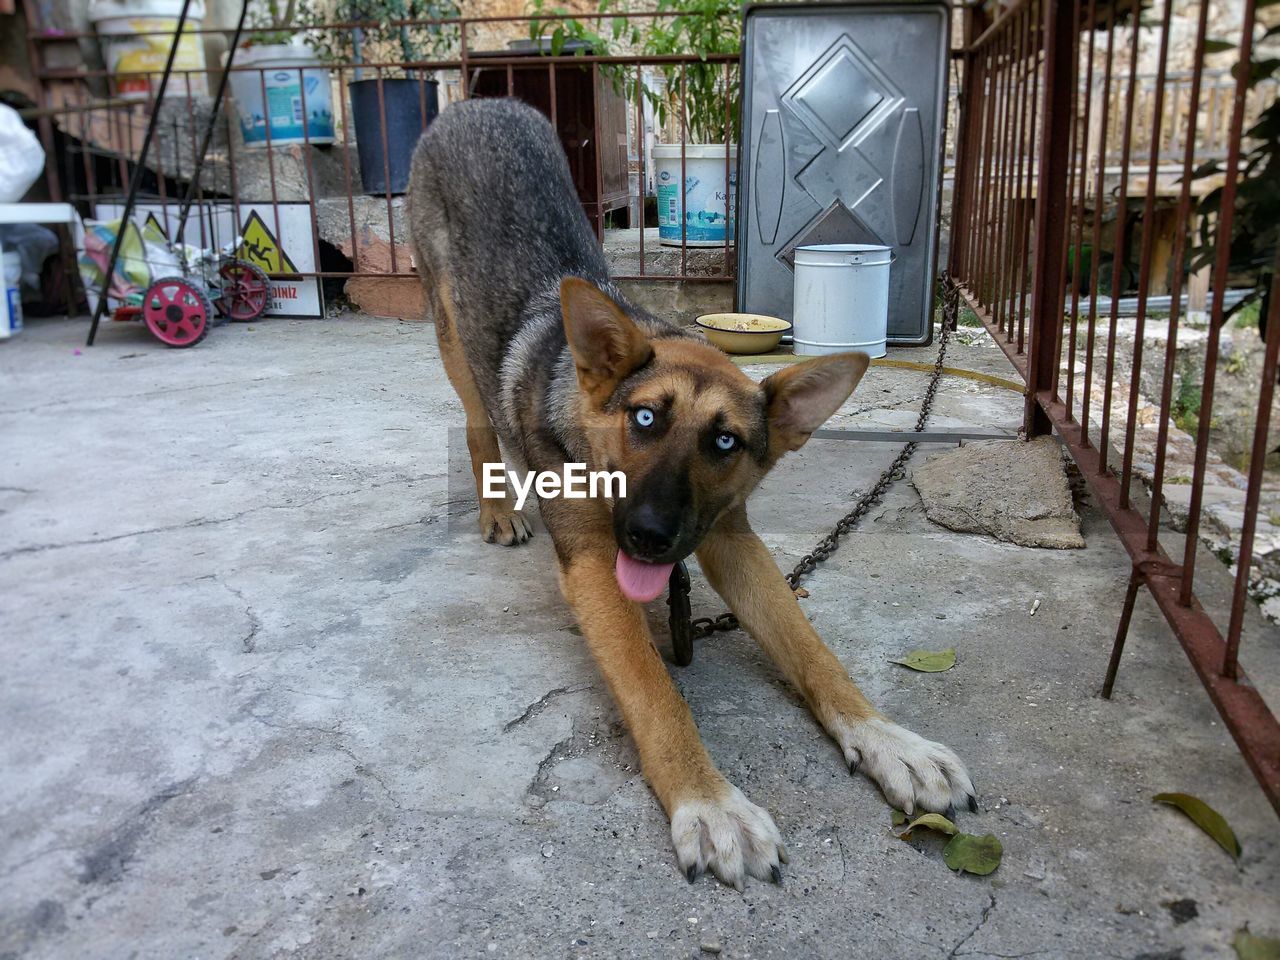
[698, 27]
[381, 37]
[565, 32]
[271, 21]
[708, 94]
[1249, 316]
[1186, 406]
[578, 36]
[1255, 221]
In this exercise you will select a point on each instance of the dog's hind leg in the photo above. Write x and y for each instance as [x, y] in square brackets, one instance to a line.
[500, 521]
[913, 772]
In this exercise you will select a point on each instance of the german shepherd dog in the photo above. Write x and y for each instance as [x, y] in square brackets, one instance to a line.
[552, 362]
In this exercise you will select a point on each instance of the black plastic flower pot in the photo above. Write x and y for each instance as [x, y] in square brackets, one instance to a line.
[389, 117]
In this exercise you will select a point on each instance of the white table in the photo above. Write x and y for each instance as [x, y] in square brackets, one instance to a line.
[37, 213]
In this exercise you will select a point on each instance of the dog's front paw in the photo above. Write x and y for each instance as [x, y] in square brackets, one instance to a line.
[502, 523]
[914, 773]
[730, 836]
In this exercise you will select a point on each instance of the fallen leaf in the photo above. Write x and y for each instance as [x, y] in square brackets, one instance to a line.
[899, 818]
[933, 821]
[1250, 947]
[1205, 817]
[929, 661]
[801, 592]
[973, 854]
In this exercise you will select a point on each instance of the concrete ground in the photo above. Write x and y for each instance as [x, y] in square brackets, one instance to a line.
[267, 694]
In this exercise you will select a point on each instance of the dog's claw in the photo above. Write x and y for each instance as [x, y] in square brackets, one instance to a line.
[951, 813]
[916, 775]
[776, 872]
[508, 527]
[727, 836]
[973, 803]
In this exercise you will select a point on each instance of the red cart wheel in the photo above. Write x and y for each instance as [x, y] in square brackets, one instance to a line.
[177, 311]
[244, 290]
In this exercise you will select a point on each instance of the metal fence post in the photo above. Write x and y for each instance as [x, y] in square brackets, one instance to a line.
[1060, 23]
[966, 138]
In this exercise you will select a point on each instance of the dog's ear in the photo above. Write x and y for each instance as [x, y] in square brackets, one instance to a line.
[605, 343]
[800, 398]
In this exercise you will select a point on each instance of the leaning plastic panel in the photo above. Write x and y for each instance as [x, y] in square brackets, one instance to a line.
[843, 110]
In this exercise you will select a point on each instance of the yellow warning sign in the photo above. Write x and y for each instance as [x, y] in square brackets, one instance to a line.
[153, 228]
[261, 248]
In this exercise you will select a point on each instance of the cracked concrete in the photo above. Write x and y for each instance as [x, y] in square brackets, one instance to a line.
[264, 683]
[533, 709]
[249, 640]
[986, 915]
[106, 860]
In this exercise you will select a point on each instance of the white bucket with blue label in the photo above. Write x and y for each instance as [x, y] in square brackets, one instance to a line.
[11, 294]
[285, 98]
[706, 204]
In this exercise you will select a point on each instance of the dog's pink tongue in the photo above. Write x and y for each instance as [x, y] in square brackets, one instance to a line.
[641, 581]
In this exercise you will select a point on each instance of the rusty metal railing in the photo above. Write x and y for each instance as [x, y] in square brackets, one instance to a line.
[1209, 126]
[92, 129]
[1059, 169]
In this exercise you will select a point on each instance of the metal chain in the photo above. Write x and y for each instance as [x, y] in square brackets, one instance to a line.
[705, 626]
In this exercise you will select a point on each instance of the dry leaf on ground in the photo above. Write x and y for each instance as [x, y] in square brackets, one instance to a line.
[1205, 817]
[1251, 947]
[973, 854]
[929, 661]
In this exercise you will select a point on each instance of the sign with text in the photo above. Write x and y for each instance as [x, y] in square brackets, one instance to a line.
[282, 246]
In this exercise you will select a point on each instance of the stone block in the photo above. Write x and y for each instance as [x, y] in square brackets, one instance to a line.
[1011, 490]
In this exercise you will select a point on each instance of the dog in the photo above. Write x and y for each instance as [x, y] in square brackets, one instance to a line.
[554, 365]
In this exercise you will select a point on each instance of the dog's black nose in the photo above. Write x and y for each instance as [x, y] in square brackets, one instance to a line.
[650, 534]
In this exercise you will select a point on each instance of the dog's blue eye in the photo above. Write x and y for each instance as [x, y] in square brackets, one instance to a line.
[643, 417]
[726, 442]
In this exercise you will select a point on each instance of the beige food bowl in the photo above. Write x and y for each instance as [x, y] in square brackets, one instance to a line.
[743, 332]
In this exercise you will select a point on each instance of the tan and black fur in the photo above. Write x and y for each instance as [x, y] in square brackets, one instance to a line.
[553, 364]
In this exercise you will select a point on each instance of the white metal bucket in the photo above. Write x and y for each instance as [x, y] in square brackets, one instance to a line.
[841, 298]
